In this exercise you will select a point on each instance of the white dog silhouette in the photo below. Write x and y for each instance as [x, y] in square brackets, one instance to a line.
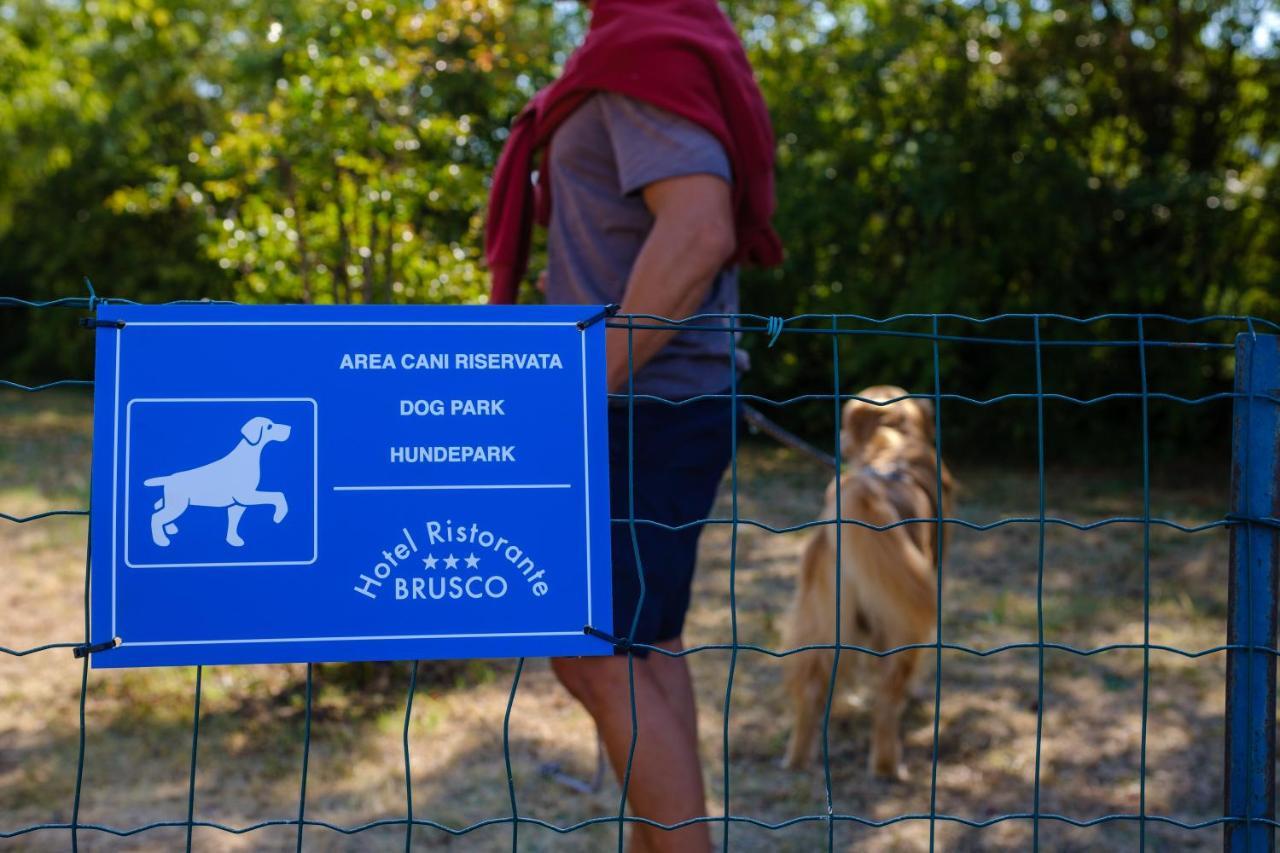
[230, 482]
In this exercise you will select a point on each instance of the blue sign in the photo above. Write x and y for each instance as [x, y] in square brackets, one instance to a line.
[338, 483]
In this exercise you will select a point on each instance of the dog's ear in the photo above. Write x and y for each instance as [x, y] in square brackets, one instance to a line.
[925, 407]
[252, 430]
[860, 422]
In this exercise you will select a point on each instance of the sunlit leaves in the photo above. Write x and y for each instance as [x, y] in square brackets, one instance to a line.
[975, 156]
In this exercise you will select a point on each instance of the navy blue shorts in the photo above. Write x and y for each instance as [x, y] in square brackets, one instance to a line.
[681, 453]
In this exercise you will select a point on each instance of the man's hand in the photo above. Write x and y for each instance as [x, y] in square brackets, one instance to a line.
[691, 239]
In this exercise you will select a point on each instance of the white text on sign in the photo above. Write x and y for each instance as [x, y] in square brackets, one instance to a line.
[456, 361]
[464, 408]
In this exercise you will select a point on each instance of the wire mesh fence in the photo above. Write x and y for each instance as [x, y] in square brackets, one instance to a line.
[1247, 818]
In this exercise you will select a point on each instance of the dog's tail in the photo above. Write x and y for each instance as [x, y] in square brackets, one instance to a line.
[155, 481]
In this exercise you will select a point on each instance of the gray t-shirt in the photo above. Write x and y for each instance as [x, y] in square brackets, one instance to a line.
[602, 156]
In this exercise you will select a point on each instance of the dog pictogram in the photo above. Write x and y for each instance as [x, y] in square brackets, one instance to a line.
[230, 482]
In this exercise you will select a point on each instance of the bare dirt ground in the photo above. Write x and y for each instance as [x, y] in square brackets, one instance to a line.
[138, 723]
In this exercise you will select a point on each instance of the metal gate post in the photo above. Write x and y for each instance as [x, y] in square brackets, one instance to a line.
[1251, 620]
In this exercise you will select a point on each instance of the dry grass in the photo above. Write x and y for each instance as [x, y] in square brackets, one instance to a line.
[139, 722]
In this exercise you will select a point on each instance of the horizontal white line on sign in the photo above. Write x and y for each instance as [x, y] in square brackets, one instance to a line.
[454, 488]
[577, 633]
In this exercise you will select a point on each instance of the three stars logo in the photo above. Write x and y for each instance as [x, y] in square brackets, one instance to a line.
[451, 562]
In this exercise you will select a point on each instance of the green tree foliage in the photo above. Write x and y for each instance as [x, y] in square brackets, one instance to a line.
[968, 156]
[91, 99]
[1018, 155]
[286, 151]
[356, 172]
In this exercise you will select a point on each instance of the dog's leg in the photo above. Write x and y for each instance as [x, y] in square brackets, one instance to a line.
[275, 499]
[807, 679]
[811, 621]
[886, 716]
[233, 521]
[161, 520]
[282, 507]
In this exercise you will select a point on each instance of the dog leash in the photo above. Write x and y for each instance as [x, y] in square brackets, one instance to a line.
[760, 423]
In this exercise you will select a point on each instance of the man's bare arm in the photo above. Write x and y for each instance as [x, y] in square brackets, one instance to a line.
[691, 239]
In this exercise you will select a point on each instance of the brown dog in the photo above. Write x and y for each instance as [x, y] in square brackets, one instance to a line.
[888, 578]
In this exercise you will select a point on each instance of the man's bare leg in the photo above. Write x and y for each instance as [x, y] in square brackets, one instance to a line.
[674, 680]
[666, 775]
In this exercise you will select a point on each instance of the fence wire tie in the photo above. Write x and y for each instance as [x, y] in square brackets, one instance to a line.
[84, 650]
[95, 323]
[93, 294]
[607, 311]
[774, 329]
[622, 644]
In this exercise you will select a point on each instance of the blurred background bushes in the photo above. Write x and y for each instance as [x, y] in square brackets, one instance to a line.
[967, 156]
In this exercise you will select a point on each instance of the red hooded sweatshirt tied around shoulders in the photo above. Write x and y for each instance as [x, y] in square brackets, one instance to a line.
[682, 56]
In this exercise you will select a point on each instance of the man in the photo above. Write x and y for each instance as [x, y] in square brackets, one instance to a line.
[656, 180]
